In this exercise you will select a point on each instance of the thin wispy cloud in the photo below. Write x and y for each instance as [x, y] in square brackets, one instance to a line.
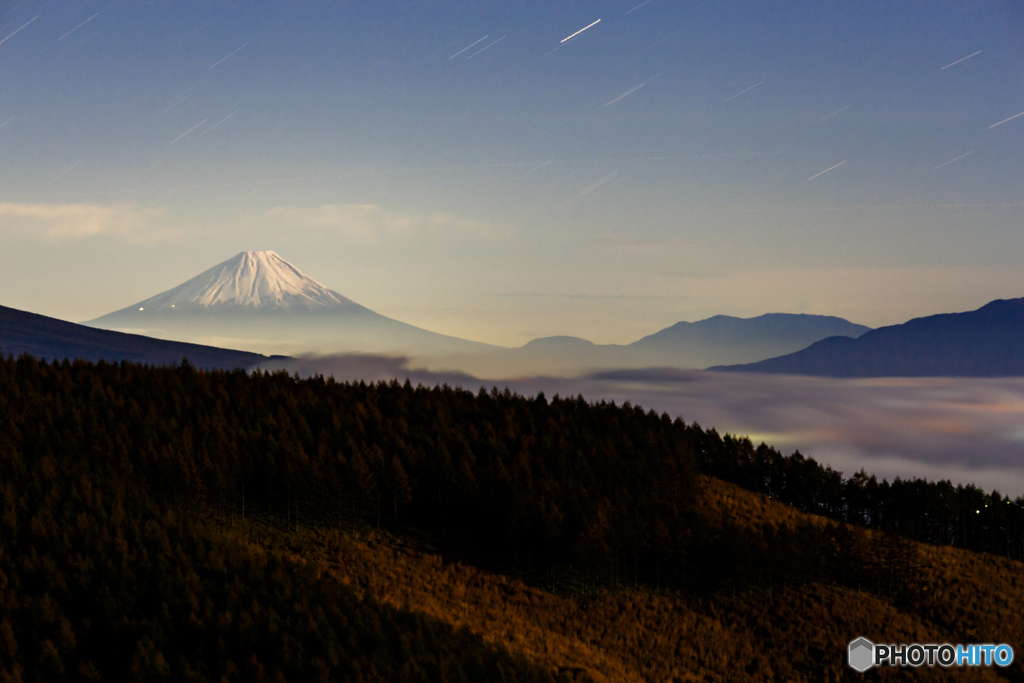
[63, 222]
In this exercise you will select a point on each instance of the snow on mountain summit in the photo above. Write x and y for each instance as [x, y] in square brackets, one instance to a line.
[257, 300]
[259, 280]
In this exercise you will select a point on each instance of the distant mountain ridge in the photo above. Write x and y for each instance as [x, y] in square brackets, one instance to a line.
[720, 339]
[721, 336]
[259, 301]
[987, 342]
[49, 338]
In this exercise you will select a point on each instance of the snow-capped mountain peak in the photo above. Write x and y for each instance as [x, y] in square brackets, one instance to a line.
[257, 300]
[259, 280]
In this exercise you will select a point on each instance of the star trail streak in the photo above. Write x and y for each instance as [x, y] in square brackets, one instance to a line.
[744, 91]
[581, 31]
[78, 27]
[960, 60]
[18, 29]
[188, 131]
[469, 46]
[827, 170]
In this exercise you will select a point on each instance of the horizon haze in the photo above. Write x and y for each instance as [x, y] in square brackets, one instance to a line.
[258, 301]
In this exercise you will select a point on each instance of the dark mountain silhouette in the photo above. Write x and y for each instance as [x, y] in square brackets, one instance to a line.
[701, 343]
[43, 337]
[988, 342]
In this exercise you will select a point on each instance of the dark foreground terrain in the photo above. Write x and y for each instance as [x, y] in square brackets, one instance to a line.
[175, 524]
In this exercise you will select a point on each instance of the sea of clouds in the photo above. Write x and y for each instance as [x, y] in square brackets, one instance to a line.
[965, 430]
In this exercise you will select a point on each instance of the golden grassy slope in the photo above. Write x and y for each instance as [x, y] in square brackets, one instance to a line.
[641, 635]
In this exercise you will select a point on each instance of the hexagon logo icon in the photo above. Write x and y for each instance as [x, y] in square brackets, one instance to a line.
[861, 654]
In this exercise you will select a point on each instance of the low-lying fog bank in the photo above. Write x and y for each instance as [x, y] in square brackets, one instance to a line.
[962, 429]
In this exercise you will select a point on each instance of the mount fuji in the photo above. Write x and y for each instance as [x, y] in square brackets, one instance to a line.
[251, 281]
[259, 301]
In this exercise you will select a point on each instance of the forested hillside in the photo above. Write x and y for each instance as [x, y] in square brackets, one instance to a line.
[157, 522]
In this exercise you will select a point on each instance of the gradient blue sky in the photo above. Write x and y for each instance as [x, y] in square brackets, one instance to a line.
[519, 191]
